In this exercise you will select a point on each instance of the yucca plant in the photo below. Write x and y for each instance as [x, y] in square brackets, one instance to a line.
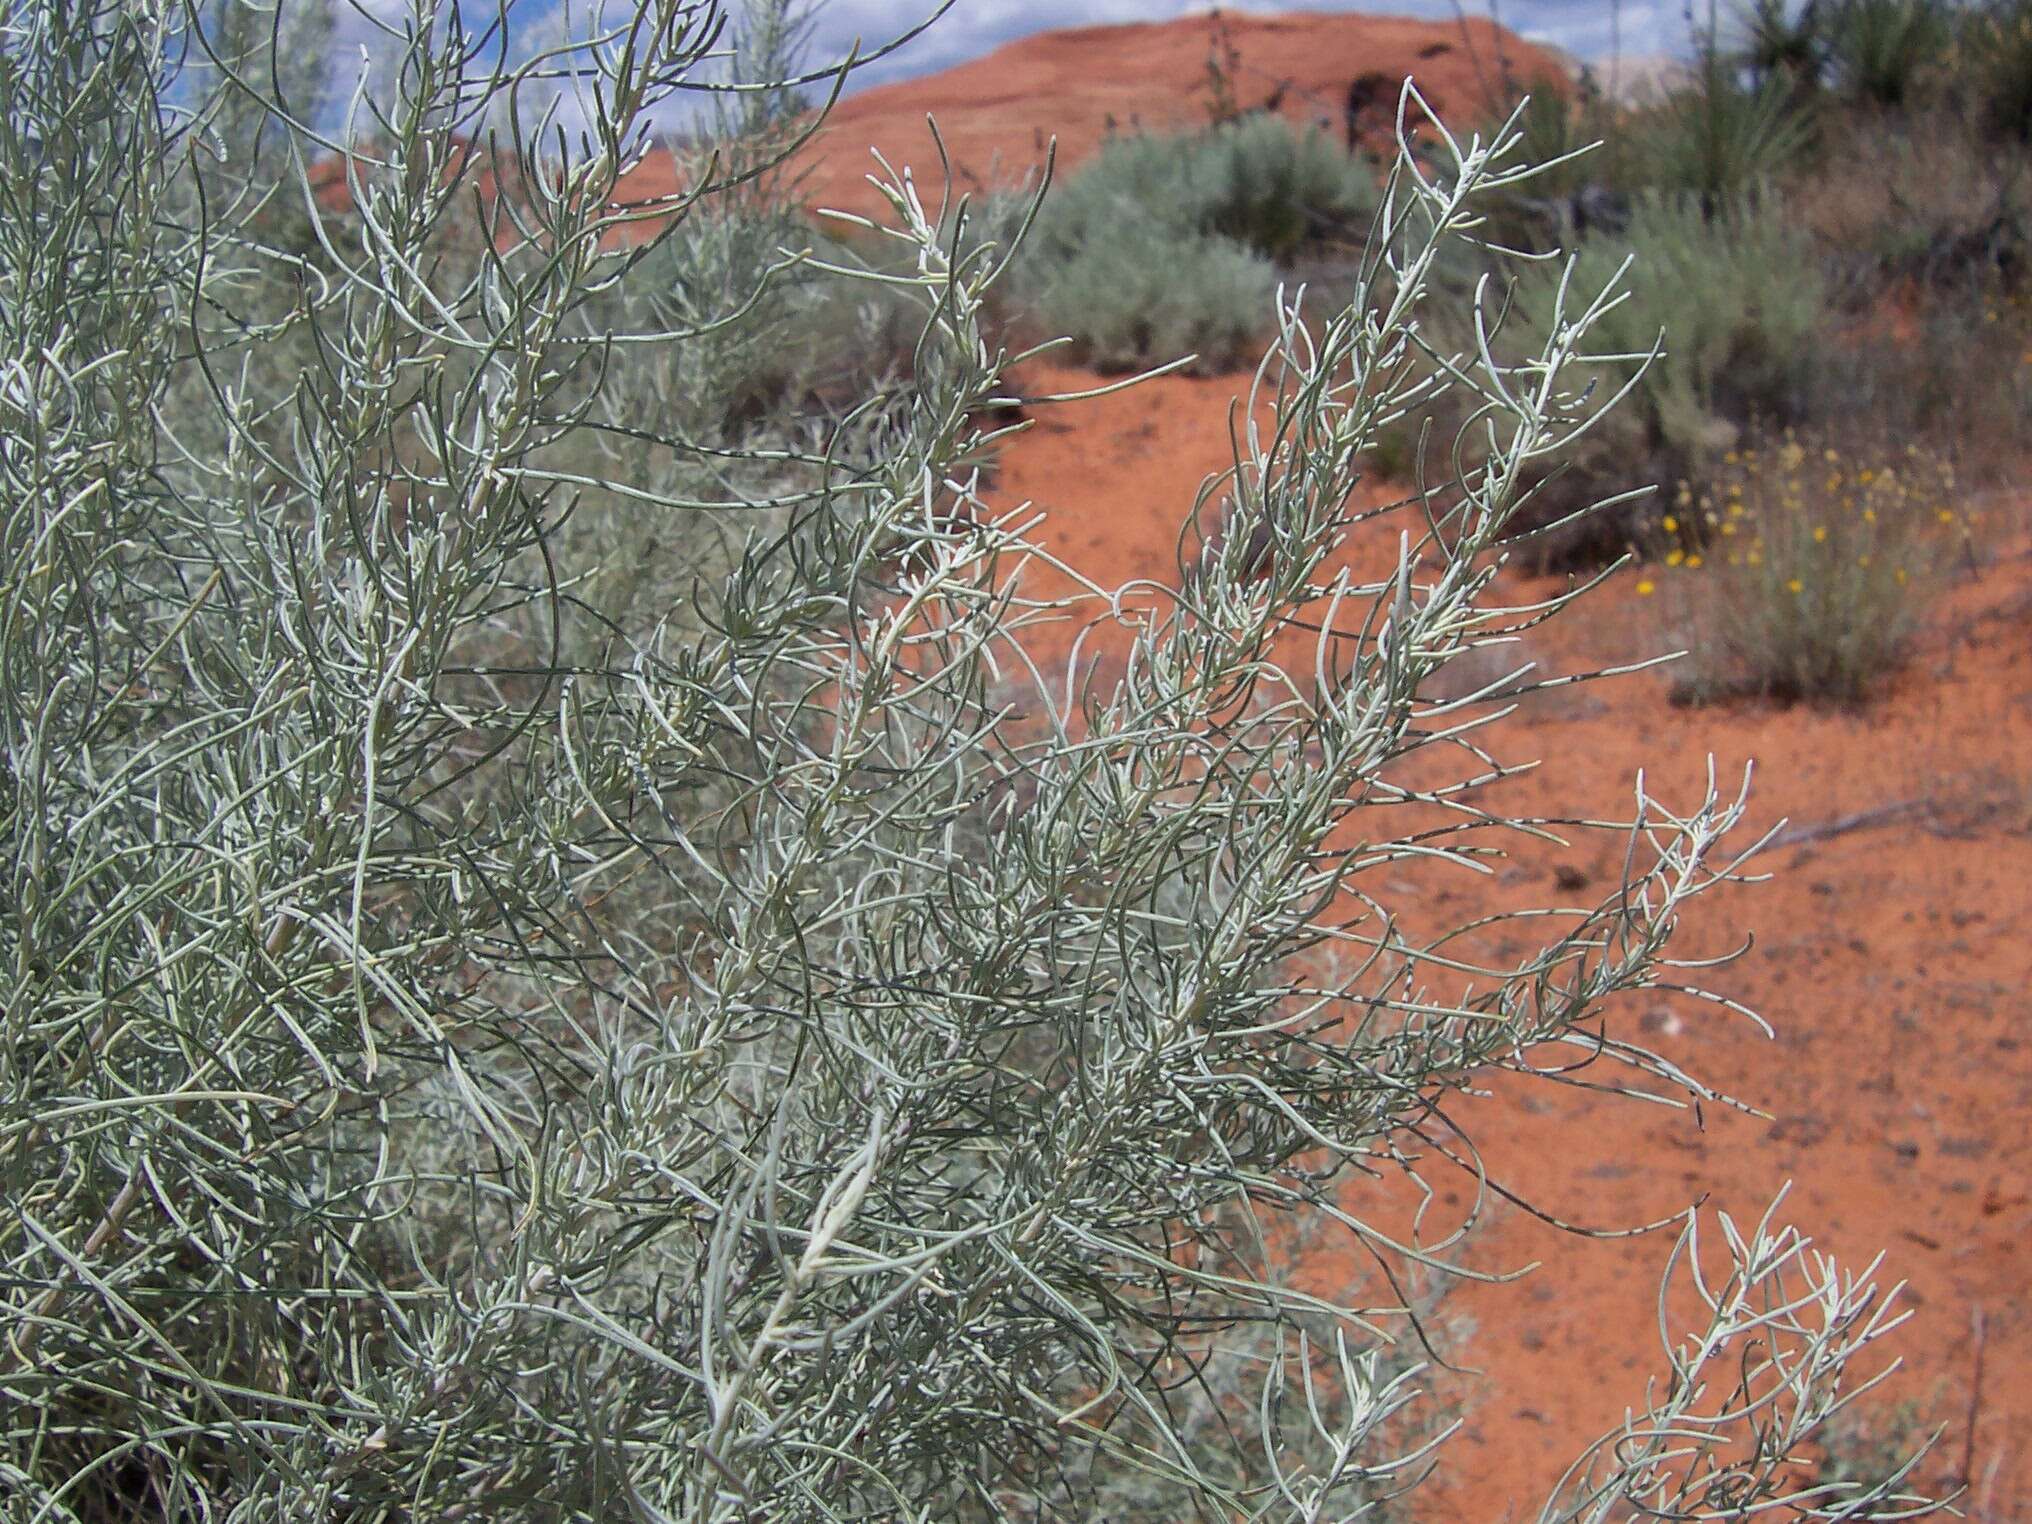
[1719, 139]
[1882, 51]
[1782, 41]
[1993, 45]
[470, 1049]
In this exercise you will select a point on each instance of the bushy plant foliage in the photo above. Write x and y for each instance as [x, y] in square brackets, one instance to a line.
[1804, 575]
[470, 1050]
[1272, 187]
[1781, 40]
[1903, 223]
[1145, 296]
[1738, 297]
[1724, 314]
[1720, 138]
[1993, 46]
[1259, 181]
[1883, 51]
[1165, 245]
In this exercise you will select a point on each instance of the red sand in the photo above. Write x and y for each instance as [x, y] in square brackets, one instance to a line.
[1894, 960]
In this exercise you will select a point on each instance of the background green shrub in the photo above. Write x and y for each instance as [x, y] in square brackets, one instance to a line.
[1273, 187]
[1737, 302]
[1165, 245]
[1992, 54]
[1143, 296]
[1803, 576]
[1883, 52]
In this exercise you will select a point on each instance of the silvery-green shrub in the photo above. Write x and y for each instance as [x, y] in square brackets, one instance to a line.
[475, 1048]
[1143, 296]
[1165, 245]
[1739, 296]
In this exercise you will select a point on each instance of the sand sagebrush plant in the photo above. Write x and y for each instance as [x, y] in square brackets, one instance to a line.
[1166, 244]
[468, 1052]
[1804, 573]
[1732, 300]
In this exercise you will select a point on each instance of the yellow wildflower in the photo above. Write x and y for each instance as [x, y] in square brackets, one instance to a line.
[1646, 588]
[1794, 585]
[1820, 534]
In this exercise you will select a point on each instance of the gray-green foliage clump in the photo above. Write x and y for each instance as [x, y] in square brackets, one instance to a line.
[1721, 324]
[1167, 245]
[473, 1049]
[1737, 295]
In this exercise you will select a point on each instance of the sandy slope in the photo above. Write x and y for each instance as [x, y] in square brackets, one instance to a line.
[999, 116]
[998, 113]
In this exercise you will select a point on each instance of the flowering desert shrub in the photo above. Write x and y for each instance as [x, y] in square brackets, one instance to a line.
[1804, 573]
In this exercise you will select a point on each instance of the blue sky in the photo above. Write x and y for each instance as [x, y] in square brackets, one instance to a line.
[1587, 28]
